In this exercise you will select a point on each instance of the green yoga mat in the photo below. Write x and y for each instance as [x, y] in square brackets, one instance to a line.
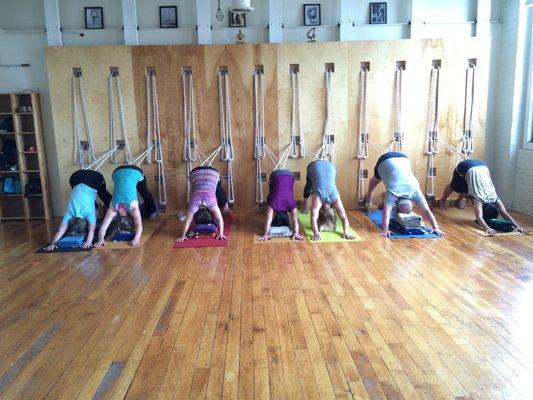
[329, 236]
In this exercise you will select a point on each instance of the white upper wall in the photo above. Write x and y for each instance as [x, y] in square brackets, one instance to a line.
[21, 14]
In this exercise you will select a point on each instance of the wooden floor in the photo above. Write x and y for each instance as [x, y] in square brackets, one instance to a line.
[379, 319]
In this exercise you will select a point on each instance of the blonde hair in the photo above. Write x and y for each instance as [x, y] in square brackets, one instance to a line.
[327, 220]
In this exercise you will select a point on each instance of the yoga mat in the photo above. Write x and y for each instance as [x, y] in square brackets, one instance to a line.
[208, 241]
[375, 217]
[63, 250]
[149, 227]
[278, 240]
[327, 237]
[67, 244]
[467, 217]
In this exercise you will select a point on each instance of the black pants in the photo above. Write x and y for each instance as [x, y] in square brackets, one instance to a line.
[458, 183]
[149, 204]
[222, 199]
[94, 180]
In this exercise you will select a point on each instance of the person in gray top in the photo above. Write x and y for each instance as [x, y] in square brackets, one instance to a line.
[320, 187]
[402, 188]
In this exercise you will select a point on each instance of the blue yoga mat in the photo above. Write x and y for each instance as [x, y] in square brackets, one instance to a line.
[375, 217]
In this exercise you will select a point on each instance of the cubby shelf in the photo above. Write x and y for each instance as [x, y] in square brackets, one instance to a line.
[31, 163]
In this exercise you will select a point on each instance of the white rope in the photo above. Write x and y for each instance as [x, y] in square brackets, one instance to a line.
[398, 135]
[363, 135]
[81, 152]
[327, 150]
[432, 126]
[153, 136]
[95, 165]
[467, 146]
[226, 141]
[297, 137]
[113, 84]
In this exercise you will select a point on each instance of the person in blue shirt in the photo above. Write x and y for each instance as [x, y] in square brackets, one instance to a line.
[320, 187]
[128, 179]
[80, 215]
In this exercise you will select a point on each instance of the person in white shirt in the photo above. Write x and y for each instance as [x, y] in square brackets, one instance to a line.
[472, 178]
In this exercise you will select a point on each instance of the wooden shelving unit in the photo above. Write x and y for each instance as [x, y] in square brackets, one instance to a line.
[26, 131]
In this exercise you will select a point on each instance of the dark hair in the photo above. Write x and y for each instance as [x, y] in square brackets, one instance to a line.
[77, 227]
[281, 218]
[203, 216]
[490, 211]
[120, 224]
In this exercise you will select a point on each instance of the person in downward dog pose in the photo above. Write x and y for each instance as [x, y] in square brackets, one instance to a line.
[472, 178]
[80, 215]
[402, 188]
[206, 202]
[321, 190]
[128, 179]
[280, 202]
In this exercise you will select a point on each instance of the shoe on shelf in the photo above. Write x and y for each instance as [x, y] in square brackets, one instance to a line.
[28, 109]
[21, 109]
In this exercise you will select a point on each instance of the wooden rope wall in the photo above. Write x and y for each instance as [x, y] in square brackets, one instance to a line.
[240, 60]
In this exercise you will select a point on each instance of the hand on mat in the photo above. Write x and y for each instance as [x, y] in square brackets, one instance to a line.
[348, 235]
[438, 232]
[490, 232]
[297, 236]
[221, 237]
[264, 238]
[385, 233]
[99, 243]
[181, 239]
[50, 247]
[316, 237]
[521, 229]
[135, 243]
[86, 245]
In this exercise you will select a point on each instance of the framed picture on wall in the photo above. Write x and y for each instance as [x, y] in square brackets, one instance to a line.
[237, 19]
[378, 13]
[94, 18]
[168, 17]
[312, 14]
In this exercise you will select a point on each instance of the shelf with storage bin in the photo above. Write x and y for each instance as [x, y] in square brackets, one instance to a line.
[24, 112]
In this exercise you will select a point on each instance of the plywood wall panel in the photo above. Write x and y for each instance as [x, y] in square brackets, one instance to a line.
[95, 63]
[240, 60]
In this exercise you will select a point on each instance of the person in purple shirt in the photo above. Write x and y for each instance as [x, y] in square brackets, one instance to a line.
[280, 202]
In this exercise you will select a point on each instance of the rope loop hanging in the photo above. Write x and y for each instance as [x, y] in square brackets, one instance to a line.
[363, 134]
[432, 127]
[226, 142]
[297, 138]
[113, 85]
[327, 150]
[153, 136]
[83, 149]
[467, 145]
[398, 134]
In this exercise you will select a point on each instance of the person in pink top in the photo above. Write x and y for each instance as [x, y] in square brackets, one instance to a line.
[280, 202]
[206, 200]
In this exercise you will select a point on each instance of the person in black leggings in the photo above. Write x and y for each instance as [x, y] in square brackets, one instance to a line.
[93, 179]
[80, 215]
[150, 207]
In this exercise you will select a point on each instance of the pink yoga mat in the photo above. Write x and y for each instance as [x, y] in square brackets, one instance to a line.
[207, 241]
